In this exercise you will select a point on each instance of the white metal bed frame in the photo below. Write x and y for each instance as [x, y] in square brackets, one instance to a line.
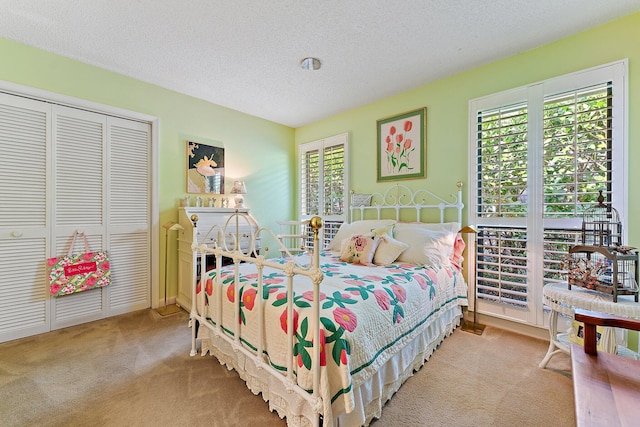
[397, 198]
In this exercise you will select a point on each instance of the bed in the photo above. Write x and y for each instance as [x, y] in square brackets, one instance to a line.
[379, 300]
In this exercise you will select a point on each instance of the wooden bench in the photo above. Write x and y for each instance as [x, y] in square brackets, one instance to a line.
[606, 386]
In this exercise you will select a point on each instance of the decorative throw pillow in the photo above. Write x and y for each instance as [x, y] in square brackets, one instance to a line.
[357, 227]
[360, 248]
[458, 249]
[388, 250]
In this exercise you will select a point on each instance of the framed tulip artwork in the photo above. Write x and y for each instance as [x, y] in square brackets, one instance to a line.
[402, 146]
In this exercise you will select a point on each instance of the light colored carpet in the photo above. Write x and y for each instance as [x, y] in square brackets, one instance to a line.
[135, 370]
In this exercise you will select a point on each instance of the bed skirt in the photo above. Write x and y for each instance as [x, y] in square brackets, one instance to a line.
[369, 397]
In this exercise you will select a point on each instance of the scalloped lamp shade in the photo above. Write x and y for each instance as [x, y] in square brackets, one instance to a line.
[239, 189]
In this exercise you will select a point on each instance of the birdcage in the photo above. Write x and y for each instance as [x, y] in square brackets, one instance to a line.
[601, 225]
[603, 270]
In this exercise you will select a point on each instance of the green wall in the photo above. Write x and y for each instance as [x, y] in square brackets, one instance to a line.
[270, 169]
[256, 150]
[447, 108]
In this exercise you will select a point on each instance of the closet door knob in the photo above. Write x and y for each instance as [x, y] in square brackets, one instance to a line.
[16, 234]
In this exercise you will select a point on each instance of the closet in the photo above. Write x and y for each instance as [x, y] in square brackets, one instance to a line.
[64, 169]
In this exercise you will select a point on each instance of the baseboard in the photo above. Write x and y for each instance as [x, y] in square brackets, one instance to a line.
[508, 325]
[160, 303]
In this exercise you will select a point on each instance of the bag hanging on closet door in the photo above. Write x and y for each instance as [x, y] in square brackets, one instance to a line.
[76, 273]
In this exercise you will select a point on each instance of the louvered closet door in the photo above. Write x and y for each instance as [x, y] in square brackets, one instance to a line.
[24, 158]
[129, 214]
[79, 203]
[102, 188]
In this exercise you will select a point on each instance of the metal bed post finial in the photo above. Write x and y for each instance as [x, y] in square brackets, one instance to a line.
[316, 224]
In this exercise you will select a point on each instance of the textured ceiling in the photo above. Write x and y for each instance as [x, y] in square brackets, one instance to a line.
[245, 54]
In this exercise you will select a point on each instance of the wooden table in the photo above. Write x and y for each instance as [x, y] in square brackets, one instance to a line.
[560, 299]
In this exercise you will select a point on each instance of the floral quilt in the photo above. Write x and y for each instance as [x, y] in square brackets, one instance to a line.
[368, 313]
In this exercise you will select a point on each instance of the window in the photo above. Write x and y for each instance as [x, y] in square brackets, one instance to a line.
[541, 155]
[323, 183]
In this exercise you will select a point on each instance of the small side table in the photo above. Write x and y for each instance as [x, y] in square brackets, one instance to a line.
[560, 299]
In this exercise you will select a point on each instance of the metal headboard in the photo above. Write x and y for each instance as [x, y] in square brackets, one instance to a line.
[400, 197]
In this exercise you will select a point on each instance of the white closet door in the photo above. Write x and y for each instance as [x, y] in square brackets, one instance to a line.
[24, 160]
[129, 213]
[78, 202]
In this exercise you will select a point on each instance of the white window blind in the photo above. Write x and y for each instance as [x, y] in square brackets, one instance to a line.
[323, 182]
[542, 154]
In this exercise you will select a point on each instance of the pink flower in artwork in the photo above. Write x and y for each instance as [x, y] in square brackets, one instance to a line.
[355, 282]
[209, 286]
[87, 256]
[345, 318]
[407, 143]
[55, 288]
[91, 280]
[408, 125]
[343, 356]
[392, 130]
[52, 261]
[273, 280]
[382, 298]
[105, 265]
[399, 292]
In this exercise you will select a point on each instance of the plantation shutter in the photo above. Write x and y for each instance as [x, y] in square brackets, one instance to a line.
[542, 153]
[577, 164]
[23, 216]
[502, 145]
[323, 176]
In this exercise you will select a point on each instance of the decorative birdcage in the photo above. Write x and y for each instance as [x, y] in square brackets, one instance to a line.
[601, 262]
[601, 225]
[604, 270]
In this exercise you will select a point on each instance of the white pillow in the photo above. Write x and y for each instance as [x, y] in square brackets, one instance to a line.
[426, 246]
[388, 250]
[451, 227]
[365, 226]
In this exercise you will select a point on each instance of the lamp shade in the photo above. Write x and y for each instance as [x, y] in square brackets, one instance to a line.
[238, 188]
[469, 229]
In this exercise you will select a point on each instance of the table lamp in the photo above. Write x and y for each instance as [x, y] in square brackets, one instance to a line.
[239, 189]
